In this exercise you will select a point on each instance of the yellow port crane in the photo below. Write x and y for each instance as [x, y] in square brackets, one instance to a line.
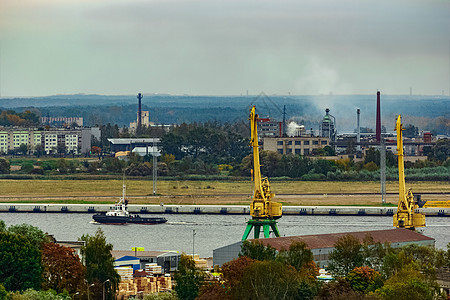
[406, 216]
[263, 210]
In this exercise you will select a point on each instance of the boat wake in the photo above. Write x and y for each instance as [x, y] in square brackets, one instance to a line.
[180, 223]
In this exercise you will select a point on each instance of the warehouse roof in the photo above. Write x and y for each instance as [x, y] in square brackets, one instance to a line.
[139, 254]
[134, 140]
[329, 240]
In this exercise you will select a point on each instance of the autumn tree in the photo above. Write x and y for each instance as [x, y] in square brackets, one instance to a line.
[96, 150]
[213, 290]
[62, 269]
[364, 279]
[341, 289]
[233, 271]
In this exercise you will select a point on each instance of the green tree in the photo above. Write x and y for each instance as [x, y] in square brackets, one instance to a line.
[406, 284]
[161, 296]
[114, 165]
[172, 143]
[23, 149]
[99, 263]
[347, 255]
[32, 294]
[27, 167]
[189, 279]
[410, 131]
[269, 280]
[441, 151]
[371, 166]
[33, 234]
[298, 255]
[374, 253]
[4, 166]
[62, 166]
[257, 251]
[39, 150]
[61, 149]
[329, 151]
[3, 292]
[20, 262]
[372, 155]
[2, 226]
[270, 161]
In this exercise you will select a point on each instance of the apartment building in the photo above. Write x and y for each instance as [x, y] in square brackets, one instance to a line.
[75, 141]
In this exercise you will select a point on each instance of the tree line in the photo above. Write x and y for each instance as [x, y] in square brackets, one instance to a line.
[360, 269]
[12, 118]
[205, 149]
[33, 266]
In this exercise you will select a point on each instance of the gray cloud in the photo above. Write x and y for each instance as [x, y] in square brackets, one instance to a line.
[224, 47]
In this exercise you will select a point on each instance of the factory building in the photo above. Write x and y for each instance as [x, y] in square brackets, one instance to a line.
[145, 121]
[322, 245]
[269, 128]
[141, 146]
[328, 126]
[303, 145]
[60, 121]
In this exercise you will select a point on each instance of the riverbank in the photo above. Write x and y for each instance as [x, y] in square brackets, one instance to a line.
[215, 209]
[290, 193]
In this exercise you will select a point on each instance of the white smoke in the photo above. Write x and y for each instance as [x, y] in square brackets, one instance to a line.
[294, 129]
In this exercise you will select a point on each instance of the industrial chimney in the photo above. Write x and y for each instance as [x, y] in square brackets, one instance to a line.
[139, 120]
[378, 125]
[358, 130]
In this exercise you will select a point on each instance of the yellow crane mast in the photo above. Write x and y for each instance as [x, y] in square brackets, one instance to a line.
[406, 216]
[263, 210]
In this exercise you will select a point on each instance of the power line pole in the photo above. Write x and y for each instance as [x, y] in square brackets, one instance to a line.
[383, 170]
[155, 166]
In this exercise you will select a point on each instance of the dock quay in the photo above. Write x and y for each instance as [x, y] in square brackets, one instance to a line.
[214, 209]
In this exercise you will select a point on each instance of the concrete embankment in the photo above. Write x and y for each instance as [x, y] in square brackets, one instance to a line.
[214, 209]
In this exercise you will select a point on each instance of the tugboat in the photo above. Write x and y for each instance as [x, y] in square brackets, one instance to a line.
[119, 215]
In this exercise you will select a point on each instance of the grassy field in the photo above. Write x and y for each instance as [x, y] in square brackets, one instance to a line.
[209, 192]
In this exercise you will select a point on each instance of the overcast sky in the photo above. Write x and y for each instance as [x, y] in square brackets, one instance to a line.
[224, 47]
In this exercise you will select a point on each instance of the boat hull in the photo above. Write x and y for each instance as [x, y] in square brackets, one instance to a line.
[121, 220]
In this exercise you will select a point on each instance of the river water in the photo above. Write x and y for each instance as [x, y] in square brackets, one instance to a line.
[211, 231]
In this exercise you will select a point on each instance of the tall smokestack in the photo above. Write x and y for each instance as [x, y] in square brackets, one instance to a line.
[358, 130]
[139, 96]
[378, 128]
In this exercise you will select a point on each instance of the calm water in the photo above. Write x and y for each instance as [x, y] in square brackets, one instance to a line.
[212, 231]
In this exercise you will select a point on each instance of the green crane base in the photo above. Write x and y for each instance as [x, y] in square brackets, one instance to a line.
[266, 224]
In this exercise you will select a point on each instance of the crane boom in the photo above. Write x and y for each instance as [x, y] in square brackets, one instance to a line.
[263, 210]
[262, 205]
[406, 217]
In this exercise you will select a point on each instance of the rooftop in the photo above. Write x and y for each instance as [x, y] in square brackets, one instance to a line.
[328, 240]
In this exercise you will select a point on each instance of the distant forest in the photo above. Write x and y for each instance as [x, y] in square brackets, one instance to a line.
[428, 113]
